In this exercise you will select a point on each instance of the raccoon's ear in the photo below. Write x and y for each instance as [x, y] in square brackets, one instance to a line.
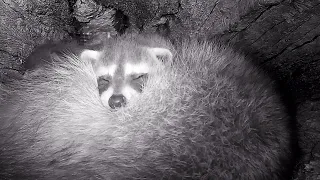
[161, 54]
[90, 55]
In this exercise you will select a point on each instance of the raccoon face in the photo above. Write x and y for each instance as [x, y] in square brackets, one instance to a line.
[123, 74]
[118, 84]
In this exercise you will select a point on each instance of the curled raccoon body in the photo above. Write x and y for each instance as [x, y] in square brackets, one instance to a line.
[209, 114]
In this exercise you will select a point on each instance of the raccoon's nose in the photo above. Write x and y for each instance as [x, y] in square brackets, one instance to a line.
[117, 101]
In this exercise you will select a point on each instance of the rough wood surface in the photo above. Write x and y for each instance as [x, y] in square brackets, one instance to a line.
[26, 24]
[97, 21]
[192, 17]
[286, 39]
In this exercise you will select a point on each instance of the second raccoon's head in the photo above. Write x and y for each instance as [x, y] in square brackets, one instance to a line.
[122, 69]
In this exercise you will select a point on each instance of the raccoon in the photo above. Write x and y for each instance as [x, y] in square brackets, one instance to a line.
[122, 67]
[198, 111]
[118, 78]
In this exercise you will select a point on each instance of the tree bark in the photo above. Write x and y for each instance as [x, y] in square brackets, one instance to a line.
[27, 24]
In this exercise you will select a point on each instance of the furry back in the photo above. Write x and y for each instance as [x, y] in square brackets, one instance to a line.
[210, 114]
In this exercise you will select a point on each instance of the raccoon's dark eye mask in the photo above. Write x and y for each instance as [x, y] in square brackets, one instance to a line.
[103, 83]
[142, 76]
[137, 81]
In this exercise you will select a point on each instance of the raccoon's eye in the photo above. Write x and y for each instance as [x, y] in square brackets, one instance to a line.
[103, 83]
[139, 76]
[138, 81]
[103, 80]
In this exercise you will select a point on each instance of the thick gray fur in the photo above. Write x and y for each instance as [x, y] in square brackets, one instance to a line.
[209, 114]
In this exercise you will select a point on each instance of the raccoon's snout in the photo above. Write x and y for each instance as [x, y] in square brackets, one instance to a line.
[117, 101]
